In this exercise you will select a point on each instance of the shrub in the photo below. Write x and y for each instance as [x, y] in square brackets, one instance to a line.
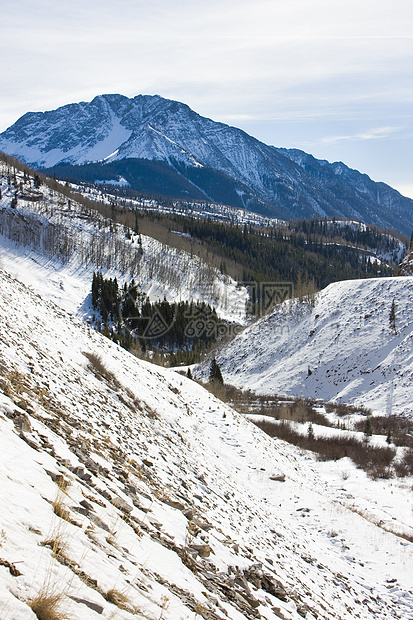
[120, 600]
[375, 460]
[100, 370]
[405, 466]
[399, 428]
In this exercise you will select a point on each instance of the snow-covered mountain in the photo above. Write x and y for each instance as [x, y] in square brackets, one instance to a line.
[162, 147]
[339, 345]
[128, 491]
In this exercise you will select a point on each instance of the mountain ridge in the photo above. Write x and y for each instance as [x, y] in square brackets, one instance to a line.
[206, 159]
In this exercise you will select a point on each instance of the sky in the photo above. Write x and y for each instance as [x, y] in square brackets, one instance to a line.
[331, 77]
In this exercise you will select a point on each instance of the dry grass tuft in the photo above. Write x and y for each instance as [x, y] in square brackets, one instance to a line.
[386, 526]
[98, 367]
[120, 600]
[60, 510]
[48, 606]
[59, 547]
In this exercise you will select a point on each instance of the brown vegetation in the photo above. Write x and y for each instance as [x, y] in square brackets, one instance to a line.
[375, 460]
[48, 606]
[400, 429]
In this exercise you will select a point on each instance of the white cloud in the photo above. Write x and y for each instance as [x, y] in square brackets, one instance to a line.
[377, 133]
[235, 61]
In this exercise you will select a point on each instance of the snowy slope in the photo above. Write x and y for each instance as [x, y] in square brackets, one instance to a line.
[55, 244]
[164, 494]
[337, 346]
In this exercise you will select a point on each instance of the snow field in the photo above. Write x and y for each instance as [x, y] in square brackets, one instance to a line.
[151, 444]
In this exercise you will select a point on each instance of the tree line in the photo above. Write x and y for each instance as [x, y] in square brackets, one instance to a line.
[279, 254]
[183, 330]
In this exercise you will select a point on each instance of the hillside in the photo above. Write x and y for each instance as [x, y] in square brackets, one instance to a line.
[406, 266]
[131, 491]
[59, 239]
[162, 147]
[336, 345]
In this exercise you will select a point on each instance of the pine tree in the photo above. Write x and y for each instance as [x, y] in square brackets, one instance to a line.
[95, 290]
[392, 317]
[215, 374]
[389, 437]
[368, 431]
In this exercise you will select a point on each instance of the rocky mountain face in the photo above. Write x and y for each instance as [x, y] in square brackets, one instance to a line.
[163, 147]
[406, 266]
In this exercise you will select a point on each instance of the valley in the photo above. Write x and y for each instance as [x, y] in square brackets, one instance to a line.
[132, 489]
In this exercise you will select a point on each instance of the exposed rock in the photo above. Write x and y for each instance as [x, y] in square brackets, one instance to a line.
[302, 610]
[78, 470]
[12, 569]
[139, 506]
[86, 477]
[130, 489]
[80, 510]
[174, 504]
[22, 422]
[98, 521]
[120, 503]
[62, 482]
[206, 527]
[263, 581]
[188, 513]
[250, 600]
[204, 551]
[94, 606]
[30, 442]
[278, 477]
[155, 522]
[85, 504]
[278, 612]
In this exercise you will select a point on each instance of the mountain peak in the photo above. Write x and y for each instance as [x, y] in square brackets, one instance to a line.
[199, 159]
